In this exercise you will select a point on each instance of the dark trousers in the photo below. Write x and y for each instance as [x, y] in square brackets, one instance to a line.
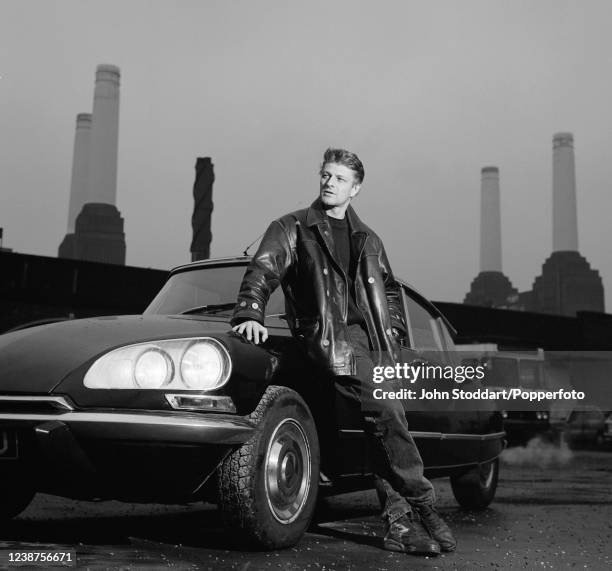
[398, 467]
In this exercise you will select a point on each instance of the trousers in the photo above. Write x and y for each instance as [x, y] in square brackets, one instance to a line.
[397, 464]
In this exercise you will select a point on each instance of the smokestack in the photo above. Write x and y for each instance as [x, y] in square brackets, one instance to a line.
[202, 209]
[491, 288]
[565, 225]
[490, 221]
[80, 168]
[104, 136]
[98, 228]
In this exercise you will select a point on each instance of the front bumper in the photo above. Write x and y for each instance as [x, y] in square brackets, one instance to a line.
[123, 454]
[153, 426]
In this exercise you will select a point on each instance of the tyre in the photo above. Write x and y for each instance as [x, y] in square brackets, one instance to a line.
[16, 493]
[267, 488]
[476, 488]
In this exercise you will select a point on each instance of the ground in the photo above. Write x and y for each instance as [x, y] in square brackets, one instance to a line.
[552, 511]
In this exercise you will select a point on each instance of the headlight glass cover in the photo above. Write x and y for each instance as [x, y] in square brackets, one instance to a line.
[199, 363]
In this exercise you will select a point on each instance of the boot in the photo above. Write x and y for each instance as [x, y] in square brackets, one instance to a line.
[408, 535]
[437, 527]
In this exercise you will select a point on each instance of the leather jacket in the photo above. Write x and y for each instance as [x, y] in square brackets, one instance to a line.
[298, 253]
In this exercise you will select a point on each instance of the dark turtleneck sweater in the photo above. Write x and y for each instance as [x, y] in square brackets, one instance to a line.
[341, 233]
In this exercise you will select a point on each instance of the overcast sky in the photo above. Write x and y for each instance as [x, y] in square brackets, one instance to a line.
[426, 92]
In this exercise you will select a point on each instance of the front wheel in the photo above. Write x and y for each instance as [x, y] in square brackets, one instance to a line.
[475, 489]
[268, 487]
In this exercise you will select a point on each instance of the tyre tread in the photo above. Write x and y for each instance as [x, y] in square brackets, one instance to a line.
[235, 479]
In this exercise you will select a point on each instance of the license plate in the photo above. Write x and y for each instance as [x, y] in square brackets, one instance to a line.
[8, 445]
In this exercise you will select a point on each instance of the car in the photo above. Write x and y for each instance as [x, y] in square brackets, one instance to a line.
[515, 369]
[172, 406]
[581, 424]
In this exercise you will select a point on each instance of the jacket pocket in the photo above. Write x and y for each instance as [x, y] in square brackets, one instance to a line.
[306, 327]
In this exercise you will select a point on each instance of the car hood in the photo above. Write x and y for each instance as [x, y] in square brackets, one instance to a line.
[36, 360]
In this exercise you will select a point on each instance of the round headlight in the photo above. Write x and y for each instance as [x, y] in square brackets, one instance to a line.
[203, 366]
[153, 369]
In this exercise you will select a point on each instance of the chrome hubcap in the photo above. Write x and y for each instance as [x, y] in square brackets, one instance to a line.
[288, 471]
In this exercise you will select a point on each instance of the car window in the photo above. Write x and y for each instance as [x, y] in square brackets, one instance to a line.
[451, 355]
[276, 303]
[447, 338]
[530, 374]
[594, 416]
[423, 327]
[196, 287]
[206, 286]
[502, 372]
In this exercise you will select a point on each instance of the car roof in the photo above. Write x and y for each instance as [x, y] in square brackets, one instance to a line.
[244, 260]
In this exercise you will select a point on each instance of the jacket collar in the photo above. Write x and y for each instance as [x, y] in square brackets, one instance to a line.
[316, 217]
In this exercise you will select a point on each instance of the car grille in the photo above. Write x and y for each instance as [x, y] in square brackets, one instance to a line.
[34, 405]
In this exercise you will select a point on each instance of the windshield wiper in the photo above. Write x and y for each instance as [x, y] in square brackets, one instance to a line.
[211, 308]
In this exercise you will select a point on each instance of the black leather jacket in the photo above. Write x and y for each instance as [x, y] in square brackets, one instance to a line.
[297, 252]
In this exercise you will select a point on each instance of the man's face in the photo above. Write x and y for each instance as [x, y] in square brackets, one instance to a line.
[338, 185]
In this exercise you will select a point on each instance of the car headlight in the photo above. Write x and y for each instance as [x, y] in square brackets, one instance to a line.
[200, 363]
[153, 369]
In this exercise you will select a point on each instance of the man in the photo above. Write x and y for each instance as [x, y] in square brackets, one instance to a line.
[343, 305]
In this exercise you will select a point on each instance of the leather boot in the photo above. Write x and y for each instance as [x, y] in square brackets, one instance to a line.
[407, 535]
[437, 527]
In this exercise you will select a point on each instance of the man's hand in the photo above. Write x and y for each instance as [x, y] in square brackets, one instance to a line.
[252, 330]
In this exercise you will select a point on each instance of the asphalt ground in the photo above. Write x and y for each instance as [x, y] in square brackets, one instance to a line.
[553, 510]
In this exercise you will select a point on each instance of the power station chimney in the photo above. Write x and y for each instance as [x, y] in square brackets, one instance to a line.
[565, 225]
[104, 136]
[98, 235]
[491, 288]
[490, 221]
[79, 181]
[567, 283]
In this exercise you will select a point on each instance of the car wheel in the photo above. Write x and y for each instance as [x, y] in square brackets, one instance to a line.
[268, 487]
[16, 493]
[476, 488]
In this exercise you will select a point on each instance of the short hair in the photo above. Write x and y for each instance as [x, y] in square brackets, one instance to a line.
[346, 158]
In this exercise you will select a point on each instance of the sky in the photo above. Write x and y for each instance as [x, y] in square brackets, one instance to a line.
[425, 92]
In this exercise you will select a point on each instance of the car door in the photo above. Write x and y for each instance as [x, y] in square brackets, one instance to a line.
[421, 345]
[444, 427]
[423, 349]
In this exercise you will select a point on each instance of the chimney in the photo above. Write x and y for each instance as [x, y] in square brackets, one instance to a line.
[104, 136]
[202, 209]
[565, 225]
[98, 228]
[490, 221]
[491, 288]
[80, 168]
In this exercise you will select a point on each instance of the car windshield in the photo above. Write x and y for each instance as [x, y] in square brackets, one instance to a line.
[197, 290]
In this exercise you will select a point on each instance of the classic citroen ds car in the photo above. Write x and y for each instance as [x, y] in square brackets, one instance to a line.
[172, 406]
